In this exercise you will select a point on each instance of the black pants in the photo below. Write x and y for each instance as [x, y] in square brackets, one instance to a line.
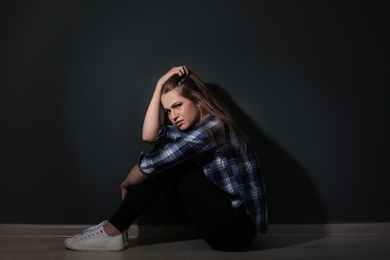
[220, 225]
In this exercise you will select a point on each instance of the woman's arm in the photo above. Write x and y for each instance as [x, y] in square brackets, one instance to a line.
[152, 122]
[134, 177]
[185, 146]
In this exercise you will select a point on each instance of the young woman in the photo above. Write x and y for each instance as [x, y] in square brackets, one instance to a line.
[203, 154]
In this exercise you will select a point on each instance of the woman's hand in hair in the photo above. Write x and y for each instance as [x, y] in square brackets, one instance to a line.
[180, 70]
[152, 122]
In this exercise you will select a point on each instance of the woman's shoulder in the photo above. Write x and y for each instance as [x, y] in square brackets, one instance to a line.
[209, 120]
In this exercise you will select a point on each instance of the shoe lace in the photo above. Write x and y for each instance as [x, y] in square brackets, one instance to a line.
[91, 230]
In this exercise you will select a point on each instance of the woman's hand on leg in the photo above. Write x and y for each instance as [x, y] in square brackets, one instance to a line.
[134, 177]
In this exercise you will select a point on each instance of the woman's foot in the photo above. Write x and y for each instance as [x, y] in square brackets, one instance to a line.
[110, 229]
[97, 239]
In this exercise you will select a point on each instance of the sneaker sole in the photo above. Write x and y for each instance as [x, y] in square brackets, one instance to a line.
[95, 248]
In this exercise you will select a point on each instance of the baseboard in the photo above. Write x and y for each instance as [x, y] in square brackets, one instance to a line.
[330, 229]
[61, 231]
[35, 230]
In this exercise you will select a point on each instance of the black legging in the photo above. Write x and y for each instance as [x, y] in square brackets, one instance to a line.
[220, 225]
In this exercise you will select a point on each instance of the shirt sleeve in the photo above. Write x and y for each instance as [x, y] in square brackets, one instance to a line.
[167, 134]
[176, 146]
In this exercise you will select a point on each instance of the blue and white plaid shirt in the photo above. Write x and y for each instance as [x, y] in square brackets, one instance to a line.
[227, 164]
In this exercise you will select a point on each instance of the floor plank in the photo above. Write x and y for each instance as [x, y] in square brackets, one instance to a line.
[372, 246]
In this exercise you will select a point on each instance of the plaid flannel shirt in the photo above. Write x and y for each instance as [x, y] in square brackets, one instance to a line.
[226, 164]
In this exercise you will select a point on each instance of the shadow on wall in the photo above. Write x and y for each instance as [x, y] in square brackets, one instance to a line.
[291, 196]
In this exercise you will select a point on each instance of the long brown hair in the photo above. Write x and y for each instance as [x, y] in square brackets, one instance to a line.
[192, 88]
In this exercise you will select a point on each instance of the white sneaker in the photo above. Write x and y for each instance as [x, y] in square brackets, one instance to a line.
[96, 239]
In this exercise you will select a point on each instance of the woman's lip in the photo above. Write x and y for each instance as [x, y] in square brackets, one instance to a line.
[179, 123]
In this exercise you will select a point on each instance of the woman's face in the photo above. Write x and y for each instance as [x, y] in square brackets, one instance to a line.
[181, 111]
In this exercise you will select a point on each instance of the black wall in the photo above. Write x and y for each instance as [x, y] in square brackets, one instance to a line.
[307, 79]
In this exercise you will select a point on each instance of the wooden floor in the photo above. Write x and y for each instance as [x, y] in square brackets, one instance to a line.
[350, 245]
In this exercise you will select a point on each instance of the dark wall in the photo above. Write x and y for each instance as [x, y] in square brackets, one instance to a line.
[308, 80]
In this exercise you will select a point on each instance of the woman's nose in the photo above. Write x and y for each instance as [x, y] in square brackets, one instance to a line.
[174, 116]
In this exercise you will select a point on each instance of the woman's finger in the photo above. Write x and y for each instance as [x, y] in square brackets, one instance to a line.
[124, 193]
[182, 70]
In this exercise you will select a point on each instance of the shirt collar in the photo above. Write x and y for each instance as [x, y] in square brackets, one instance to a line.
[203, 119]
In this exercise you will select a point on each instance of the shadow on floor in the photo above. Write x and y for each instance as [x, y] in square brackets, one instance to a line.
[272, 242]
[260, 243]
